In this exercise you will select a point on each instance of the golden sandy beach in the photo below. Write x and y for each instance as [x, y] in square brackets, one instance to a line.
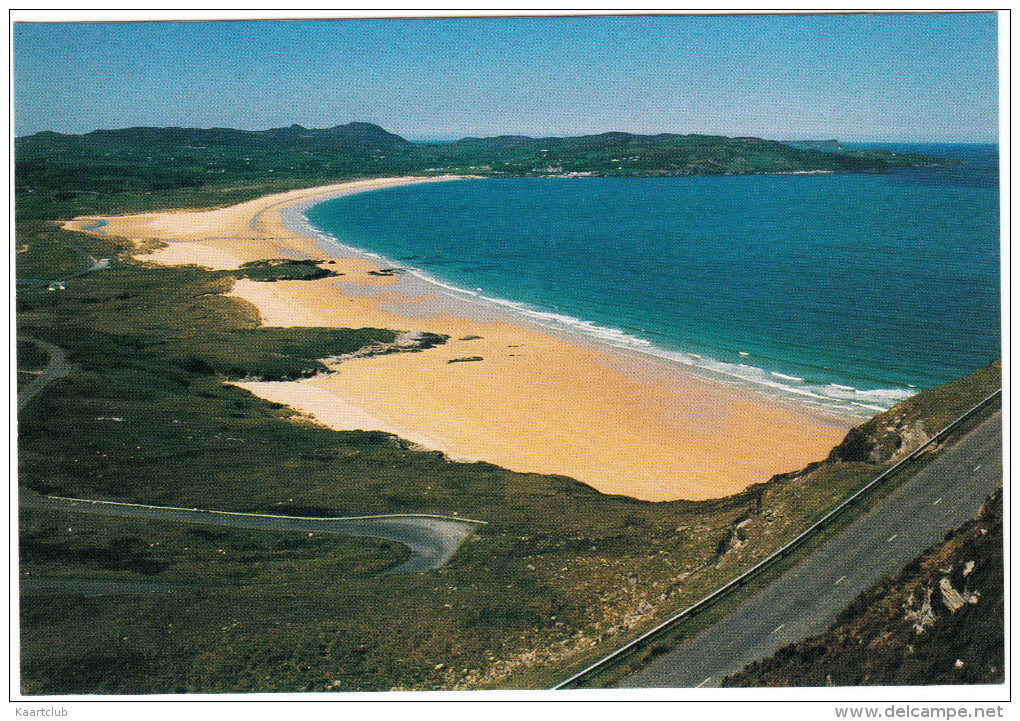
[622, 424]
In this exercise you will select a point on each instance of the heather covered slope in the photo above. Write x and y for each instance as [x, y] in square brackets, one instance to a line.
[940, 621]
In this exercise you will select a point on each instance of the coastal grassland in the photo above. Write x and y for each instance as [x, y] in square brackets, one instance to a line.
[177, 316]
[62, 177]
[560, 574]
[30, 362]
[51, 201]
[84, 632]
[131, 550]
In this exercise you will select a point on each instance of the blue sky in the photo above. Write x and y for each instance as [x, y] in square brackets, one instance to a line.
[852, 77]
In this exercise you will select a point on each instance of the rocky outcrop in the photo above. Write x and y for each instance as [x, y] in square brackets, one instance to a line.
[940, 621]
[884, 439]
[897, 432]
[407, 342]
[857, 447]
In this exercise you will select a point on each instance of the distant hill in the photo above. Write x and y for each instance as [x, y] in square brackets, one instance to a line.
[353, 137]
[613, 153]
[668, 154]
[56, 167]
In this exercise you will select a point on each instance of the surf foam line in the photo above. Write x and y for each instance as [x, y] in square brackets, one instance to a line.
[842, 400]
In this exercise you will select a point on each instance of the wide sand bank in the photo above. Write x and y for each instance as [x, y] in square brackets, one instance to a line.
[534, 402]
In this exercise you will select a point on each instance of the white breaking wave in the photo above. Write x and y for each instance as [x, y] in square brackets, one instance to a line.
[845, 400]
[613, 335]
[862, 403]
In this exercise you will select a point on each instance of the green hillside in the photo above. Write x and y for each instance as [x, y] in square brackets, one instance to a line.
[189, 167]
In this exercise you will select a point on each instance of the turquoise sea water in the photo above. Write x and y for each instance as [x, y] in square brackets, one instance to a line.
[855, 290]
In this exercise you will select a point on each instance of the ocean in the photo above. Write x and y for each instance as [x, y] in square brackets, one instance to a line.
[844, 291]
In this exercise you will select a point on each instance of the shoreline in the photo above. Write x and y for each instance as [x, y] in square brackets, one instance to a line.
[539, 400]
[828, 399]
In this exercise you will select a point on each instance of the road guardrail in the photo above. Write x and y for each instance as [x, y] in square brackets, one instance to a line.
[645, 639]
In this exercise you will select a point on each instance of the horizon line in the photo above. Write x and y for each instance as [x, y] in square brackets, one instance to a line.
[447, 138]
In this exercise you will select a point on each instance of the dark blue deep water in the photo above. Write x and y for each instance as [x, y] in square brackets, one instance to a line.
[849, 289]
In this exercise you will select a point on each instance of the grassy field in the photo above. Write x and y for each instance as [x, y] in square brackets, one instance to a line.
[560, 575]
[30, 362]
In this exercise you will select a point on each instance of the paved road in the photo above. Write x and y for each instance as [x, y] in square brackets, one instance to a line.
[55, 368]
[805, 600]
[432, 539]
